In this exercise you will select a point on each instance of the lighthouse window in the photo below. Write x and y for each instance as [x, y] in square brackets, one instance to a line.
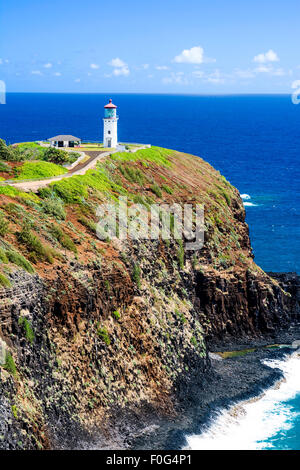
[108, 132]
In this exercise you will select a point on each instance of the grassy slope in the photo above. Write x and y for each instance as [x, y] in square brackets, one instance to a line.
[39, 169]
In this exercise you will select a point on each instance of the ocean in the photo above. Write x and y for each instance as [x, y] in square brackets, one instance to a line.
[254, 141]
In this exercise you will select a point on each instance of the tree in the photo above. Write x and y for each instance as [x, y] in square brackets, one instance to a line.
[57, 156]
[6, 153]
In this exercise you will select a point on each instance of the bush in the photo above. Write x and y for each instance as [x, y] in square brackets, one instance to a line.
[3, 257]
[6, 153]
[90, 224]
[55, 155]
[35, 170]
[73, 156]
[136, 275]
[19, 260]
[4, 282]
[103, 333]
[180, 255]
[63, 238]
[156, 190]
[3, 226]
[10, 365]
[167, 189]
[134, 175]
[29, 334]
[37, 250]
[117, 314]
[54, 206]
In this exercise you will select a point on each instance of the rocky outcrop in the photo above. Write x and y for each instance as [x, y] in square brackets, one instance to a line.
[123, 328]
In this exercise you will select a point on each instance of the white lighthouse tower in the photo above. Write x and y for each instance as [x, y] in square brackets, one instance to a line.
[110, 125]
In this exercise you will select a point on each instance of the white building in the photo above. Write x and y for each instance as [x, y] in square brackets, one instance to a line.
[110, 125]
[64, 141]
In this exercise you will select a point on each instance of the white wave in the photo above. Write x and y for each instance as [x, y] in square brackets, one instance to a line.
[245, 425]
[245, 197]
[249, 204]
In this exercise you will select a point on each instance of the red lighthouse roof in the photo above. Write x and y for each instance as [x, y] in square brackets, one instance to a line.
[110, 105]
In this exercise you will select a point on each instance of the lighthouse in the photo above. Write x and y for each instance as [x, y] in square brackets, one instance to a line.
[110, 125]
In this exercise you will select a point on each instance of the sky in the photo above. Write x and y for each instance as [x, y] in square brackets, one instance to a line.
[158, 46]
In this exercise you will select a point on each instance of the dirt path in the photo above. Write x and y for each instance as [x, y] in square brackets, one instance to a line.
[79, 169]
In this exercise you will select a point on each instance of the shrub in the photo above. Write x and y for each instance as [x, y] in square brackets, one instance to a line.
[3, 257]
[167, 189]
[73, 156]
[3, 226]
[194, 341]
[6, 153]
[9, 364]
[136, 275]
[90, 224]
[37, 250]
[4, 282]
[55, 155]
[14, 411]
[54, 206]
[103, 333]
[134, 175]
[4, 167]
[180, 255]
[16, 258]
[35, 170]
[180, 316]
[29, 334]
[117, 314]
[63, 238]
[156, 190]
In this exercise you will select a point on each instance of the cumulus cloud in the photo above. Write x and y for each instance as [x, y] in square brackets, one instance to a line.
[195, 55]
[117, 63]
[120, 67]
[48, 65]
[94, 66]
[77, 80]
[266, 57]
[121, 71]
[162, 67]
[57, 74]
[36, 72]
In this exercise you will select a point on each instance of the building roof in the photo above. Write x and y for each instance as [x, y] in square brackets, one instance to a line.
[69, 138]
[110, 105]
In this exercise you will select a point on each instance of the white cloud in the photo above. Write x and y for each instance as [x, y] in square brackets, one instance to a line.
[121, 68]
[195, 55]
[117, 63]
[121, 71]
[145, 66]
[94, 66]
[57, 74]
[176, 77]
[48, 65]
[162, 67]
[266, 57]
[36, 72]
[77, 80]
[1, 61]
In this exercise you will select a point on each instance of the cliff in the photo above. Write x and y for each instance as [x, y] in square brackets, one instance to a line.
[93, 331]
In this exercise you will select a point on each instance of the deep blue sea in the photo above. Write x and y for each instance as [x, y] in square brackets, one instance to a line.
[253, 140]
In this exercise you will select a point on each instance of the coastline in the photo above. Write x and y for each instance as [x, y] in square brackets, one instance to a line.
[230, 382]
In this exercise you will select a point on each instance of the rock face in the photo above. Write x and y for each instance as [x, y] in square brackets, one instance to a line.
[92, 343]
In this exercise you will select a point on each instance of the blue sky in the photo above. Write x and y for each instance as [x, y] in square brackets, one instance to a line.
[165, 46]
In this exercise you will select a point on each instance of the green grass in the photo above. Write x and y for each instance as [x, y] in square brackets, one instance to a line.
[37, 170]
[38, 251]
[154, 154]
[116, 314]
[156, 190]
[9, 364]
[136, 275]
[64, 239]
[4, 282]
[14, 192]
[103, 333]
[16, 258]
[25, 324]
[4, 226]
[76, 189]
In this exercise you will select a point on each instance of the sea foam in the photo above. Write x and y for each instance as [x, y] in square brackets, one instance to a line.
[249, 424]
